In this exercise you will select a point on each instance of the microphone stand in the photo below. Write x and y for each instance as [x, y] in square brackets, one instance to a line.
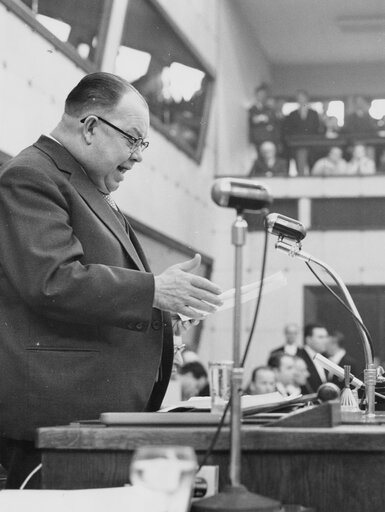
[370, 372]
[236, 497]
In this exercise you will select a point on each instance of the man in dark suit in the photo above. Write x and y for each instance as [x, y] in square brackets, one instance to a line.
[263, 123]
[302, 122]
[315, 339]
[85, 326]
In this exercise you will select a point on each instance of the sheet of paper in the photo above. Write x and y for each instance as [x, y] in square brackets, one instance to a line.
[121, 499]
[248, 292]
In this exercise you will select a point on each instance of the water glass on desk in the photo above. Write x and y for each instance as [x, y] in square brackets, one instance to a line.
[169, 470]
[220, 385]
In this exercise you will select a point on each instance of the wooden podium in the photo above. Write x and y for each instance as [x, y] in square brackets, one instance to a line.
[334, 469]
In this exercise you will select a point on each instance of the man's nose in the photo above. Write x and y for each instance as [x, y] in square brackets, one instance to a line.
[137, 155]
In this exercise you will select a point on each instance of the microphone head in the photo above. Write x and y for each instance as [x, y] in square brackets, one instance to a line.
[328, 391]
[285, 227]
[241, 194]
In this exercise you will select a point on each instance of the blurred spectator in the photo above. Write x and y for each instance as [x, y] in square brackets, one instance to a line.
[262, 381]
[358, 120]
[189, 356]
[332, 130]
[267, 163]
[360, 163]
[303, 121]
[262, 120]
[301, 376]
[315, 339]
[381, 162]
[290, 347]
[193, 378]
[336, 352]
[283, 366]
[330, 165]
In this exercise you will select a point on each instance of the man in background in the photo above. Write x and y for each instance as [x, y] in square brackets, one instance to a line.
[193, 379]
[301, 376]
[283, 366]
[315, 340]
[268, 163]
[85, 326]
[302, 122]
[290, 347]
[262, 118]
[331, 165]
[262, 381]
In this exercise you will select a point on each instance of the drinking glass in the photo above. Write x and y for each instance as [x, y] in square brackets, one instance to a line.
[169, 470]
[220, 385]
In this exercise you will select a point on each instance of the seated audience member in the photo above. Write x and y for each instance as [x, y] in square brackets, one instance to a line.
[336, 352]
[360, 163]
[315, 339]
[262, 119]
[332, 130]
[301, 376]
[193, 378]
[290, 347]
[359, 120]
[267, 163]
[262, 381]
[283, 366]
[330, 165]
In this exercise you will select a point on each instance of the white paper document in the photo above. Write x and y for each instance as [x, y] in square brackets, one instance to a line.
[248, 292]
[248, 402]
[118, 499]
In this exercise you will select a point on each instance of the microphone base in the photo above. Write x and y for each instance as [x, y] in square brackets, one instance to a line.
[236, 499]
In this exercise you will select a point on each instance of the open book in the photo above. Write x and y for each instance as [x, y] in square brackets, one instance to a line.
[248, 292]
[250, 404]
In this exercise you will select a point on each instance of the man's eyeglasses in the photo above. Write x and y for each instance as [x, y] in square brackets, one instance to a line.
[135, 143]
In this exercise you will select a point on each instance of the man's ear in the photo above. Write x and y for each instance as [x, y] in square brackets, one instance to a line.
[89, 126]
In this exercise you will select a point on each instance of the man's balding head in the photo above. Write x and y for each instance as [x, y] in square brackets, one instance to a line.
[98, 92]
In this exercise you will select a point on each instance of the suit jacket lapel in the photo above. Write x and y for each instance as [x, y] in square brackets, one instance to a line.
[94, 199]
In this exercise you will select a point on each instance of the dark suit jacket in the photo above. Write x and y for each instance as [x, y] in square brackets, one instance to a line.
[314, 381]
[280, 349]
[295, 125]
[260, 168]
[78, 334]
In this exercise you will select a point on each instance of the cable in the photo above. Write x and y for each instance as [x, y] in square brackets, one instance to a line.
[248, 344]
[215, 436]
[355, 317]
[38, 468]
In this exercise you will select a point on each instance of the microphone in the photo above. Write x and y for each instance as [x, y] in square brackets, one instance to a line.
[241, 194]
[285, 227]
[335, 369]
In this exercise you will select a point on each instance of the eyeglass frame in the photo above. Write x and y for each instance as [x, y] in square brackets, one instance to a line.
[136, 142]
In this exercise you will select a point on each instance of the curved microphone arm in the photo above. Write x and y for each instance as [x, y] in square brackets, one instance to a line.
[294, 250]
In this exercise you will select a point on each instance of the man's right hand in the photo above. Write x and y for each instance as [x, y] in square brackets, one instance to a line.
[179, 291]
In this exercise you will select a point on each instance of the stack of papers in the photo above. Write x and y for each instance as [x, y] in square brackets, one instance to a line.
[250, 404]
